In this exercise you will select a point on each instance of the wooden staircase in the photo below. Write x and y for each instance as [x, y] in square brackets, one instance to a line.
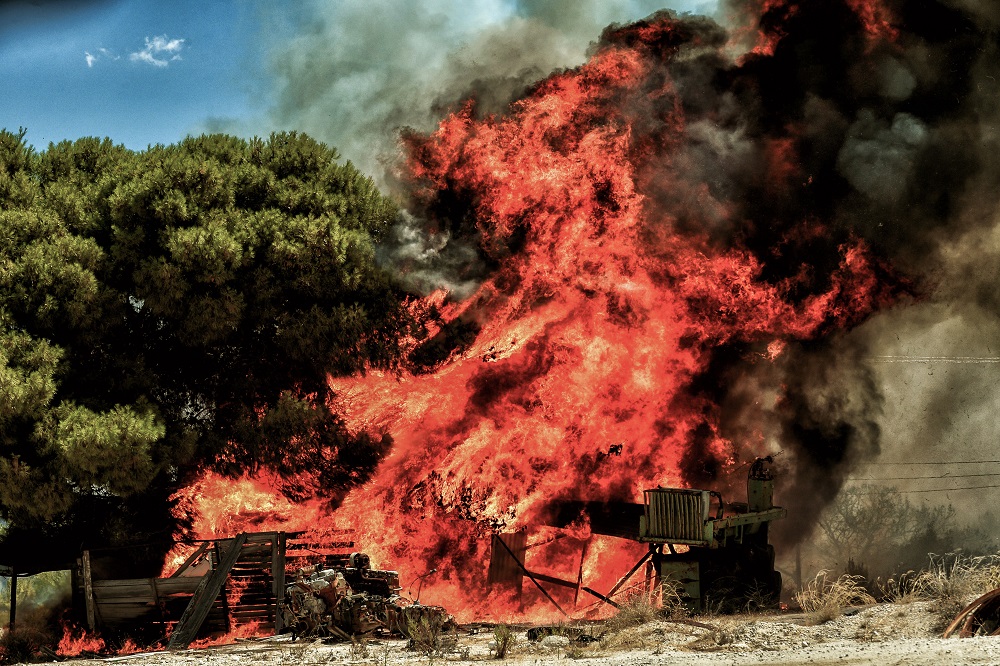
[246, 586]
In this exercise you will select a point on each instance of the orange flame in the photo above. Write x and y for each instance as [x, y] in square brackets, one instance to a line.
[605, 312]
[238, 633]
[75, 641]
[226, 507]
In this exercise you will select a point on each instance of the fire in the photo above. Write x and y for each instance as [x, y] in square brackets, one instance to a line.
[76, 641]
[128, 647]
[770, 16]
[226, 507]
[239, 632]
[627, 296]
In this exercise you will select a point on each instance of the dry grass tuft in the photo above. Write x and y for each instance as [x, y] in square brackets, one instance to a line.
[637, 610]
[824, 599]
[626, 630]
[651, 636]
[950, 581]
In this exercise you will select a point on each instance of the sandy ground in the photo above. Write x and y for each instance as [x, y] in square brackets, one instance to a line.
[885, 634]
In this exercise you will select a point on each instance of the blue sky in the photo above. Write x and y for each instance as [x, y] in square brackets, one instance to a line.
[134, 91]
[347, 71]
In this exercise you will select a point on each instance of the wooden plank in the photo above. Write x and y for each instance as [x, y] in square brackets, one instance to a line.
[144, 587]
[183, 582]
[259, 604]
[119, 612]
[506, 552]
[175, 585]
[12, 613]
[137, 593]
[295, 548]
[261, 537]
[250, 612]
[225, 591]
[88, 591]
[191, 560]
[527, 573]
[203, 598]
[545, 578]
[579, 576]
[278, 579]
[258, 548]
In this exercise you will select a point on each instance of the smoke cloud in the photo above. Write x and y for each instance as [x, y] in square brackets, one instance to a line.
[894, 126]
[357, 72]
[871, 120]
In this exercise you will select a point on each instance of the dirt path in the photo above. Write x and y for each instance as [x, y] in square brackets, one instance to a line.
[883, 635]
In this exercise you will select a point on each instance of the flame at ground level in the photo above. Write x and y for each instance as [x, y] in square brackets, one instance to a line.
[76, 641]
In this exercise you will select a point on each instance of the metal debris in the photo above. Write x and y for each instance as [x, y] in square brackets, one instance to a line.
[584, 634]
[980, 618]
[356, 600]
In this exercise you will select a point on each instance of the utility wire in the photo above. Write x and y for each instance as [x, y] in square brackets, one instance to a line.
[943, 462]
[914, 478]
[948, 490]
[987, 360]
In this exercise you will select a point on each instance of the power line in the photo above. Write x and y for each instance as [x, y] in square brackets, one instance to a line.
[942, 462]
[985, 360]
[914, 478]
[948, 490]
[935, 490]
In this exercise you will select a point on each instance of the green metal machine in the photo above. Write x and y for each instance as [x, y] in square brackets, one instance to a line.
[727, 555]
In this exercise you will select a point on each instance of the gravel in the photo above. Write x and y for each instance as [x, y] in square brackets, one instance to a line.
[885, 634]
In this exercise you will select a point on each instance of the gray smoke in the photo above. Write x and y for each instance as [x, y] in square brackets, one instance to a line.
[902, 143]
[877, 159]
[355, 73]
[358, 71]
[424, 260]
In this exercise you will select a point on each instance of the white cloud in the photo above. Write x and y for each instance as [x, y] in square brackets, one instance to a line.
[101, 54]
[159, 51]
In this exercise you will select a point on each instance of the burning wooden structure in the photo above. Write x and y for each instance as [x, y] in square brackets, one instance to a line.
[223, 584]
[699, 546]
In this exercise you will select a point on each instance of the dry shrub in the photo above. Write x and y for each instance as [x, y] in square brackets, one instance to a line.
[22, 645]
[427, 635]
[885, 627]
[625, 630]
[505, 639]
[903, 589]
[359, 648]
[824, 599]
[637, 610]
[630, 638]
[584, 651]
[950, 581]
[642, 637]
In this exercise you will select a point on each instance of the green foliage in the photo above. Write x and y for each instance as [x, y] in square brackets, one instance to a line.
[36, 596]
[180, 307]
